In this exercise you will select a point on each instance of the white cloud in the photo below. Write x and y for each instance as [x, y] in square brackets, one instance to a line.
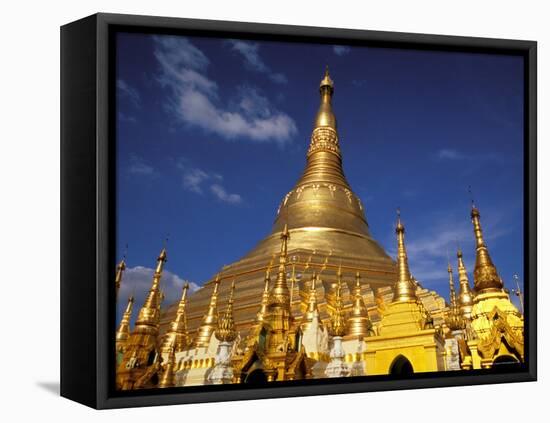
[450, 154]
[137, 281]
[138, 166]
[195, 180]
[341, 50]
[196, 101]
[253, 61]
[224, 196]
[123, 117]
[126, 91]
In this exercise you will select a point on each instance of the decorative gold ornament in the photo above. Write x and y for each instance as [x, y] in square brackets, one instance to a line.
[405, 289]
[120, 268]
[210, 319]
[137, 366]
[338, 320]
[454, 318]
[486, 278]
[167, 374]
[359, 324]
[312, 312]
[177, 337]
[465, 296]
[123, 331]
[225, 331]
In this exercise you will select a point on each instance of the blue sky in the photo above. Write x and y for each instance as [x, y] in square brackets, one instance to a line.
[212, 133]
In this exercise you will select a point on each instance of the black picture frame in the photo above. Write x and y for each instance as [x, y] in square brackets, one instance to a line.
[88, 206]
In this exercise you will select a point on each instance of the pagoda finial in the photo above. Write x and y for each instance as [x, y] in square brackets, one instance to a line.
[280, 293]
[454, 318]
[260, 316]
[161, 260]
[452, 292]
[404, 289]
[312, 311]
[120, 268]
[486, 278]
[465, 297]
[325, 116]
[210, 319]
[177, 336]
[167, 378]
[123, 331]
[225, 332]
[337, 320]
[154, 298]
[359, 324]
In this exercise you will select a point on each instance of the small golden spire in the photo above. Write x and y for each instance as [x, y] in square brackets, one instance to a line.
[465, 297]
[312, 311]
[177, 336]
[120, 268]
[454, 317]
[123, 331]
[280, 293]
[150, 312]
[337, 320]
[452, 292]
[404, 289]
[210, 319]
[161, 260]
[167, 379]
[359, 324]
[486, 277]
[260, 316]
[225, 331]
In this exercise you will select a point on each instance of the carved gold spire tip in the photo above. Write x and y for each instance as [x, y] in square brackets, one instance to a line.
[326, 81]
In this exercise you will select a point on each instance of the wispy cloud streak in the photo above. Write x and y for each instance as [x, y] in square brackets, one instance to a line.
[196, 101]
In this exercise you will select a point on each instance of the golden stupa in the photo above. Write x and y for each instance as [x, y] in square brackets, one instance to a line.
[335, 306]
[327, 223]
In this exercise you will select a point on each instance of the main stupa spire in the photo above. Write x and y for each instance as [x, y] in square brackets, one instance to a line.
[322, 216]
[322, 200]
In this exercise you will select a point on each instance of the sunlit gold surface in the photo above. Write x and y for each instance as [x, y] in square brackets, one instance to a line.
[404, 289]
[486, 278]
[278, 328]
[312, 312]
[167, 373]
[141, 346]
[359, 324]
[123, 331]
[338, 319]
[177, 337]
[210, 319]
[121, 267]
[406, 329]
[225, 332]
[454, 317]
[324, 218]
[465, 295]
[496, 324]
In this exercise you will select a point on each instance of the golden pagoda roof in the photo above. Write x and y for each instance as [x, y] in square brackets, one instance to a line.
[322, 212]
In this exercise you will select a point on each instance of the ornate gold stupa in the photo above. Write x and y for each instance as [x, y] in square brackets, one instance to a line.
[324, 217]
[312, 319]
